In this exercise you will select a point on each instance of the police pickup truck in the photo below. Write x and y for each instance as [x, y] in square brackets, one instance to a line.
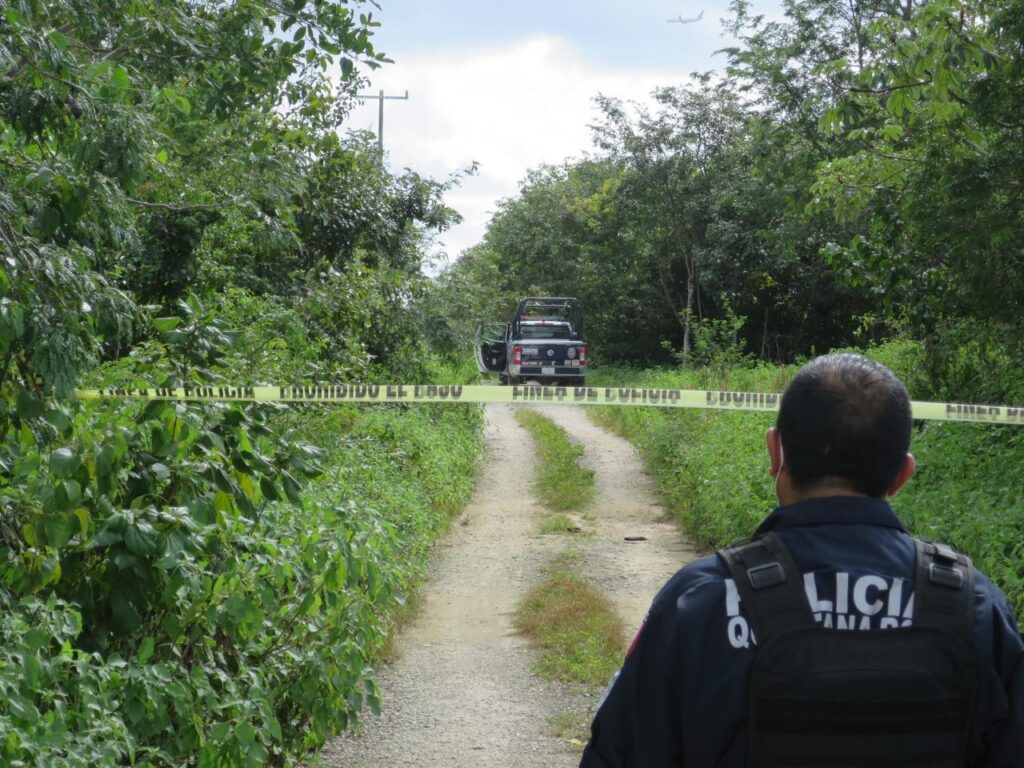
[543, 344]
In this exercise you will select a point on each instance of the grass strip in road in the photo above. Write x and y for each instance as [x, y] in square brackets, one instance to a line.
[558, 523]
[580, 636]
[560, 482]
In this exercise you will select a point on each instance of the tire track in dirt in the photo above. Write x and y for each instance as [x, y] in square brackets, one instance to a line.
[462, 693]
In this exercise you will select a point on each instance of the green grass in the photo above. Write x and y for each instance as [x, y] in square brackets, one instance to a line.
[560, 482]
[578, 631]
[558, 523]
[572, 726]
[969, 492]
[712, 469]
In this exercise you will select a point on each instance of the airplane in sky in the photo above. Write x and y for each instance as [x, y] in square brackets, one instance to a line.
[681, 20]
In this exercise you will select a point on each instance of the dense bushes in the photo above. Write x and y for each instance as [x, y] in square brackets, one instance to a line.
[712, 468]
[252, 639]
[196, 581]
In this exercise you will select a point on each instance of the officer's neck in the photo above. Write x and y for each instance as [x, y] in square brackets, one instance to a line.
[790, 494]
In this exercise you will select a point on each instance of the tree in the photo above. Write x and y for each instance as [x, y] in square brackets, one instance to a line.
[934, 161]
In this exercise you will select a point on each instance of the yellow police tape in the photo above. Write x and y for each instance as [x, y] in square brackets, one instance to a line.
[436, 393]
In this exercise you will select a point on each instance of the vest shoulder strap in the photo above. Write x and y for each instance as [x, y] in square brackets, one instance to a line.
[943, 589]
[769, 586]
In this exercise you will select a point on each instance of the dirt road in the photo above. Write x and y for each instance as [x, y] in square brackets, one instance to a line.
[628, 571]
[462, 693]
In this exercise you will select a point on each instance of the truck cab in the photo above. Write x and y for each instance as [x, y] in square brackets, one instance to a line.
[543, 343]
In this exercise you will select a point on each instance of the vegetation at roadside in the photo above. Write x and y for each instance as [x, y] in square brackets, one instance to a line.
[213, 580]
[712, 469]
[207, 584]
[560, 481]
[580, 636]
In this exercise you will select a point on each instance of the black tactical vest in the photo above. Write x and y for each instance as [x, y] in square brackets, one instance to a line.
[825, 698]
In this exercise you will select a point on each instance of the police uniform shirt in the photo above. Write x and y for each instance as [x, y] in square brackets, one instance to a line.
[680, 697]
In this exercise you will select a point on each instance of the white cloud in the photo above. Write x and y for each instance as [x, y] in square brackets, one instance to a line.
[508, 108]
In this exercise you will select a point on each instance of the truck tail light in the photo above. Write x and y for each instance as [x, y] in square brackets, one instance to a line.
[517, 355]
[583, 355]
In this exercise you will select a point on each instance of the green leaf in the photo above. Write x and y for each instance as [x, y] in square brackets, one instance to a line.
[12, 320]
[119, 80]
[141, 539]
[82, 515]
[146, 649]
[105, 460]
[291, 488]
[74, 206]
[54, 531]
[166, 324]
[113, 529]
[269, 489]
[72, 491]
[58, 40]
[222, 481]
[373, 701]
[899, 103]
[182, 105]
[224, 503]
[238, 462]
[64, 462]
[57, 419]
[274, 727]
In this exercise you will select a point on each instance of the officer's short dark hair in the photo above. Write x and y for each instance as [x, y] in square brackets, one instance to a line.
[847, 419]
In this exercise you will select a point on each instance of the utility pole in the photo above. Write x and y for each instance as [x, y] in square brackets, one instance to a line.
[380, 113]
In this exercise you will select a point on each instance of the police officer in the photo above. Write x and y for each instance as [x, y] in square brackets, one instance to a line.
[685, 696]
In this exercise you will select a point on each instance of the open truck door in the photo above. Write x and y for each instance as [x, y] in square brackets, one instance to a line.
[492, 347]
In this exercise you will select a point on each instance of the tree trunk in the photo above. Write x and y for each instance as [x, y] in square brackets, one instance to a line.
[764, 337]
[690, 290]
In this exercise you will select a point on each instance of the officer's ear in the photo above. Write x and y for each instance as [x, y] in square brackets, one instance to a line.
[906, 472]
[774, 443]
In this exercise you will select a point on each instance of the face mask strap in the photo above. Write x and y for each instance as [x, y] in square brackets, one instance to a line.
[782, 461]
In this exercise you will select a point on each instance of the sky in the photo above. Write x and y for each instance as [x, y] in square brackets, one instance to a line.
[510, 85]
